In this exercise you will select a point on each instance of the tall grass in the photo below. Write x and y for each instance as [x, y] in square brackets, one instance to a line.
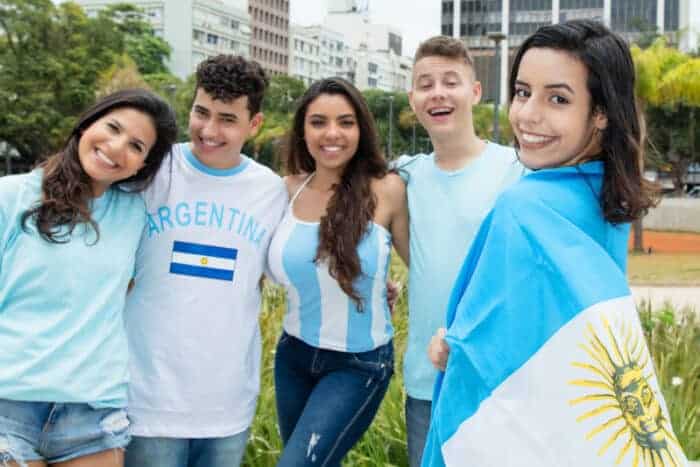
[674, 341]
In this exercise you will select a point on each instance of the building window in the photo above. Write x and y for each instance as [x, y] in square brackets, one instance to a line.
[372, 82]
[372, 67]
[197, 35]
[212, 39]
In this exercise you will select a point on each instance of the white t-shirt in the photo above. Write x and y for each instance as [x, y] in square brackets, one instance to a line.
[192, 317]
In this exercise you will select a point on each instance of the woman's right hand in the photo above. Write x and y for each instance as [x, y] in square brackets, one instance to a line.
[438, 350]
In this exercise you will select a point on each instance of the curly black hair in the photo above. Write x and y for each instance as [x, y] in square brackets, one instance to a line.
[228, 77]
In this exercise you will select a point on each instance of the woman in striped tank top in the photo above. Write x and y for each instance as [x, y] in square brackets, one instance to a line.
[331, 252]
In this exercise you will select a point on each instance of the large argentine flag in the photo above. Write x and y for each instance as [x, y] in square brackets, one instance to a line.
[548, 365]
[200, 260]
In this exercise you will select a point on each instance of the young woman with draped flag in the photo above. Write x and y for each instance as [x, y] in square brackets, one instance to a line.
[548, 365]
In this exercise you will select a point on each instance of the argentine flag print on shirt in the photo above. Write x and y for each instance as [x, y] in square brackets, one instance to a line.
[318, 311]
[548, 363]
[207, 261]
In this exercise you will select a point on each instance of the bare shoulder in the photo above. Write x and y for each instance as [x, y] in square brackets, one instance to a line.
[391, 187]
[294, 181]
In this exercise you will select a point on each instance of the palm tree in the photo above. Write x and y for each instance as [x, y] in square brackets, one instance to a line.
[670, 80]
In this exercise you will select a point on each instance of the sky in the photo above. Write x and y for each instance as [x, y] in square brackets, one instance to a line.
[416, 20]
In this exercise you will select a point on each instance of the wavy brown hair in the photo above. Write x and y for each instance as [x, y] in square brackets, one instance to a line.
[66, 189]
[626, 195]
[351, 207]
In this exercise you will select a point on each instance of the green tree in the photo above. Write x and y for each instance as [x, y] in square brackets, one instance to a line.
[123, 74]
[667, 86]
[282, 93]
[50, 57]
[136, 37]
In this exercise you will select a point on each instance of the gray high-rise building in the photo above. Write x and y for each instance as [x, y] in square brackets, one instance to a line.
[480, 22]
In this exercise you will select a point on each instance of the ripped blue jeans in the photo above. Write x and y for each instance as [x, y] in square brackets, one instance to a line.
[326, 400]
[57, 432]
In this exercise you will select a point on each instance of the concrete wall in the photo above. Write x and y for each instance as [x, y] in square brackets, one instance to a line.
[681, 214]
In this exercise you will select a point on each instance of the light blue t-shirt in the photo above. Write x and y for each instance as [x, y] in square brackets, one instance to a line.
[61, 329]
[446, 210]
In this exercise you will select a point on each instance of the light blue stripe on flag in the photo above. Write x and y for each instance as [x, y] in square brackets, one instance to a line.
[206, 261]
[205, 250]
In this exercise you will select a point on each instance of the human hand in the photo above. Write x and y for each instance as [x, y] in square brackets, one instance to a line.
[393, 290]
[438, 350]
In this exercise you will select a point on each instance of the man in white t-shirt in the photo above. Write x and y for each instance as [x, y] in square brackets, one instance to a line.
[192, 315]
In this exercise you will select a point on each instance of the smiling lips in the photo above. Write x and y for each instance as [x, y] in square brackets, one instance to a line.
[332, 150]
[534, 141]
[440, 111]
[104, 159]
[208, 143]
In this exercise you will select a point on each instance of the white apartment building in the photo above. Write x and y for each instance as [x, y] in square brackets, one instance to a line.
[376, 48]
[195, 29]
[304, 55]
[382, 69]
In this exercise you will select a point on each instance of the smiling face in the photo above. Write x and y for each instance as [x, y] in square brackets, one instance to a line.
[331, 132]
[115, 146]
[551, 111]
[443, 94]
[219, 129]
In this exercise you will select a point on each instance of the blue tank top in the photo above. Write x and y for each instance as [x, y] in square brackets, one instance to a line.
[318, 311]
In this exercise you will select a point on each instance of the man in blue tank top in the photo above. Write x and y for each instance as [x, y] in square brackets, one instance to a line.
[449, 193]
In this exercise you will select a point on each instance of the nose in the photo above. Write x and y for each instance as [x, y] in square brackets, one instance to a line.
[119, 146]
[529, 111]
[437, 92]
[332, 130]
[209, 129]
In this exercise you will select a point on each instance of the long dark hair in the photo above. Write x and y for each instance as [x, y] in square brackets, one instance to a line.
[66, 188]
[625, 195]
[351, 207]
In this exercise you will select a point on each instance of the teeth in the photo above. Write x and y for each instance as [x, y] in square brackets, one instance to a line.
[331, 148]
[104, 158]
[439, 110]
[210, 143]
[534, 139]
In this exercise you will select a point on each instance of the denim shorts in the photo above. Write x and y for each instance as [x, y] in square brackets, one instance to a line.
[57, 432]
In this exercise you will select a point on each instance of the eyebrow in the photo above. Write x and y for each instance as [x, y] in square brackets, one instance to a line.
[116, 122]
[228, 115]
[549, 86]
[338, 117]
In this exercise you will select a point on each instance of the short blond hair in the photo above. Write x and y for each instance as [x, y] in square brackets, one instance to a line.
[444, 46]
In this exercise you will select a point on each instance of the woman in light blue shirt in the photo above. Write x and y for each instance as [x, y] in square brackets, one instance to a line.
[68, 238]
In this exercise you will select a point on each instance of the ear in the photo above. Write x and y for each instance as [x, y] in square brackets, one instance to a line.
[600, 119]
[476, 92]
[255, 123]
[410, 101]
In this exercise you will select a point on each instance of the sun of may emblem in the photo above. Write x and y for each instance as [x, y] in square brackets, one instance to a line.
[620, 373]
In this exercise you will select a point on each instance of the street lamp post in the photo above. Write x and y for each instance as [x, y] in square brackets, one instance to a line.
[413, 140]
[391, 124]
[497, 37]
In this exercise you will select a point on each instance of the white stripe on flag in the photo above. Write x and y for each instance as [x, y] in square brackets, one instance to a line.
[204, 261]
[563, 406]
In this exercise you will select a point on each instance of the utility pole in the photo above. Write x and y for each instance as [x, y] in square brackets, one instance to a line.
[391, 124]
[497, 37]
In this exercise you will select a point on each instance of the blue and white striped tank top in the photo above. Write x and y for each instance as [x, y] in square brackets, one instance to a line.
[318, 311]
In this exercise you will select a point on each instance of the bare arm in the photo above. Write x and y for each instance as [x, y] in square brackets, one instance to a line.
[396, 194]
